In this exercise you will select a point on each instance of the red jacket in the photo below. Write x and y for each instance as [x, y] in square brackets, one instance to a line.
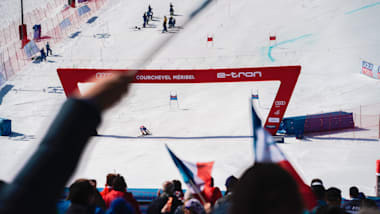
[126, 195]
[105, 191]
[211, 194]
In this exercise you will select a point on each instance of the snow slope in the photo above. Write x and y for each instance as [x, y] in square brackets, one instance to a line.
[328, 39]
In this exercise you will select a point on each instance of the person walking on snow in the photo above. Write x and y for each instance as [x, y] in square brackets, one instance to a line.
[164, 24]
[171, 10]
[150, 13]
[43, 55]
[48, 49]
[145, 20]
[171, 22]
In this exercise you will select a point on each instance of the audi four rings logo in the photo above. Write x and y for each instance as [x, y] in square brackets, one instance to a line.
[102, 75]
[280, 103]
[222, 75]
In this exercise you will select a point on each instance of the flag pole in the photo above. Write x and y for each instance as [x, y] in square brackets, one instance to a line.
[195, 187]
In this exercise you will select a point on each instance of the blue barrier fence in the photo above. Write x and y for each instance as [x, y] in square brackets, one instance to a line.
[83, 10]
[65, 23]
[3, 78]
[317, 123]
[31, 49]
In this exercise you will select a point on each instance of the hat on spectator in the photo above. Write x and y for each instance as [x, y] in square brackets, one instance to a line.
[120, 206]
[195, 206]
[316, 182]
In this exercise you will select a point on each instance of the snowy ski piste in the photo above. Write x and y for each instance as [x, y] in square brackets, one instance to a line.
[208, 121]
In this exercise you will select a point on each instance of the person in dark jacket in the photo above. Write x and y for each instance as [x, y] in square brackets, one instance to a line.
[43, 55]
[222, 205]
[48, 49]
[166, 202]
[353, 205]
[171, 9]
[266, 188]
[145, 18]
[150, 13]
[39, 184]
[82, 197]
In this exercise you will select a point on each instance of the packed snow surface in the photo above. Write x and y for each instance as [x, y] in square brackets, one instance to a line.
[210, 122]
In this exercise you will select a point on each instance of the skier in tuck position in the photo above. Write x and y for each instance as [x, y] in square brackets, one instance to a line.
[144, 131]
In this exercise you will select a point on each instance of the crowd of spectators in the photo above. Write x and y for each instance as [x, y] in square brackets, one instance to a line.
[264, 188]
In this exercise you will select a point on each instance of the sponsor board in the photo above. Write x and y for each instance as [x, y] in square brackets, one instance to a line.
[287, 75]
[369, 69]
[279, 103]
[237, 75]
[271, 127]
[102, 75]
[274, 119]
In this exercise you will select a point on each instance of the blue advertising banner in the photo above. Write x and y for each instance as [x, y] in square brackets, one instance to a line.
[371, 70]
[84, 9]
[31, 49]
[2, 74]
[65, 23]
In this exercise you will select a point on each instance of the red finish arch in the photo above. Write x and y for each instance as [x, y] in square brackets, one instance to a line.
[287, 75]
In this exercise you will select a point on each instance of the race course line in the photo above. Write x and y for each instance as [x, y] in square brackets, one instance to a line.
[362, 8]
[284, 42]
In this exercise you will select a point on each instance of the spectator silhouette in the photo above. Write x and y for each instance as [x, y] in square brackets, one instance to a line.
[222, 205]
[266, 188]
[333, 200]
[353, 205]
[193, 206]
[82, 197]
[369, 211]
[368, 203]
[165, 202]
[2, 184]
[319, 192]
[316, 182]
[99, 202]
[38, 186]
[119, 190]
[178, 192]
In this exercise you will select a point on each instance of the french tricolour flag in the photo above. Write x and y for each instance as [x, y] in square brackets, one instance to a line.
[266, 150]
[195, 175]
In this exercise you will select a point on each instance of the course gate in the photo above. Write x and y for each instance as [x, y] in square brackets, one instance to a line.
[287, 75]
